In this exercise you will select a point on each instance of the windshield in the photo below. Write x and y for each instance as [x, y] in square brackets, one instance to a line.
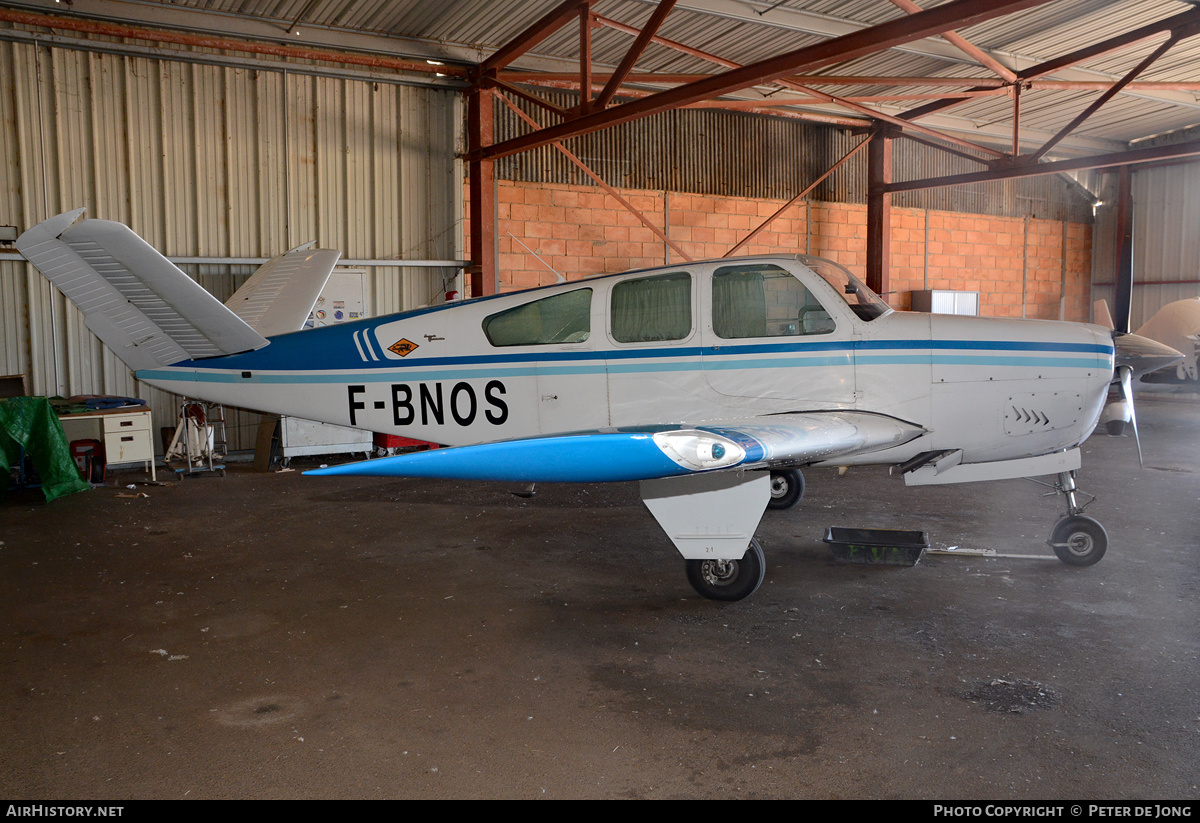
[865, 303]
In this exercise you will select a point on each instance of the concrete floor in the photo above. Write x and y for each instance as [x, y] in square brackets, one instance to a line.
[278, 636]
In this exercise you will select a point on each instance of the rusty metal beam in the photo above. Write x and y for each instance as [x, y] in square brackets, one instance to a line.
[1180, 21]
[585, 58]
[951, 15]
[1106, 96]
[817, 97]
[1190, 148]
[204, 41]
[484, 270]
[879, 212]
[896, 121]
[635, 51]
[516, 91]
[977, 54]
[966, 156]
[846, 102]
[1123, 252]
[980, 85]
[535, 77]
[551, 22]
[1184, 19]
[662, 41]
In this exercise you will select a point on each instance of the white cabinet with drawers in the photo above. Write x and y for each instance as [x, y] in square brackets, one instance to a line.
[126, 434]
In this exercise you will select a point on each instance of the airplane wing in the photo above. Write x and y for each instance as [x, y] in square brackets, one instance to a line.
[279, 297]
[651, 452]
[139, 303]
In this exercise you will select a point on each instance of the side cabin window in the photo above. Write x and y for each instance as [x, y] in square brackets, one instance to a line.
[560, 318]
[764, 301]
[652, 309]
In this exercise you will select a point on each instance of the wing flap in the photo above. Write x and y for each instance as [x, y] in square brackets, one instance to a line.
[651, 452]
[137, 302]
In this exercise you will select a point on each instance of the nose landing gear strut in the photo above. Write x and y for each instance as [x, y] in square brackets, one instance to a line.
[1077, 539]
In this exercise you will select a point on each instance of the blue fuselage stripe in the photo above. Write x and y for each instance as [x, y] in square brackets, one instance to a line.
[824, 355]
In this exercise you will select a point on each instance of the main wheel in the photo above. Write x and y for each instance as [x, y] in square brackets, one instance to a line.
[1079, 540]
[787, 487]
[728, 579]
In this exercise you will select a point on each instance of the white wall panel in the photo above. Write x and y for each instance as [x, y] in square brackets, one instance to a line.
[217, 162]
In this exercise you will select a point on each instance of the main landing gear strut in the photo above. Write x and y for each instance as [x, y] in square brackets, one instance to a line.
[1078, 540]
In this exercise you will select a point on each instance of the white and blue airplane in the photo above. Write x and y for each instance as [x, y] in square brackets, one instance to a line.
[698, 379]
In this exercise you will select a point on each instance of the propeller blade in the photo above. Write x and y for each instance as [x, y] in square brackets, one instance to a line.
[1126, 377]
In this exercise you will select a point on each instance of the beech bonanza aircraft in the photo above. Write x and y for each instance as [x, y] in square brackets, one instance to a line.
[695, 379]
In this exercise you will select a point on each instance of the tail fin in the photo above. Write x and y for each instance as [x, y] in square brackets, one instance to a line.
[1102, 315]
[135, 300]
[279, 297]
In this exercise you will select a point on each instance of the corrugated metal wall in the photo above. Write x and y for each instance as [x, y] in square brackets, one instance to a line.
[714, 152]
[1166, 240]
[214, 161]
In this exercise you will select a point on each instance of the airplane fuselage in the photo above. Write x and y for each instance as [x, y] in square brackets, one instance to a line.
[679, 345]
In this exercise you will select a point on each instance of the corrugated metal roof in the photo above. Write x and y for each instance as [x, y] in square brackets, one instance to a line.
[752, 30]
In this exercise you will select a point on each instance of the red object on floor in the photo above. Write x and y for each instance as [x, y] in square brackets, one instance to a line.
[395, 441]
[89, 457]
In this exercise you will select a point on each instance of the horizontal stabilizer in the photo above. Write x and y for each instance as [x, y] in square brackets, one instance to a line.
[651, 452]
[279, 297]
[140, 304]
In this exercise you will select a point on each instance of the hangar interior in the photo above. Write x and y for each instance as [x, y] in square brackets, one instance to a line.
[1038, 154]
[225, 134]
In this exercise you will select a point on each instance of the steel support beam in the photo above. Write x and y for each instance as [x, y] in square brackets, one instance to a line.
[1190, 148]
[879, 212]
[551, 22]
[1186, 19]
[635, 51]
[949, 16]
[585, 58]
[483, 273]
[1123, 252]
[1107, 95]
[976, 54]
[794, 85]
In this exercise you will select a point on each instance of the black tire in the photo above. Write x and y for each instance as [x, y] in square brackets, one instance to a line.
[728, 579]
[1079, 540]
[1115, 428]
[787, 487]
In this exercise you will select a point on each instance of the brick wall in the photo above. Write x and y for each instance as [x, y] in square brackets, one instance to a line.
[1015, 264]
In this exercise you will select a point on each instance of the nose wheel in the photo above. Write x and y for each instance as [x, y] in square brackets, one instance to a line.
[728, 579]
[1077, 540]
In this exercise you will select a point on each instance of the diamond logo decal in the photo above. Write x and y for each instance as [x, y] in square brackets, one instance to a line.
[403, 347]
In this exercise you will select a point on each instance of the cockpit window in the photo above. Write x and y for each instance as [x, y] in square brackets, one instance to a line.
[864, 302]
[652, 309]
[560, 318]
[763, 300]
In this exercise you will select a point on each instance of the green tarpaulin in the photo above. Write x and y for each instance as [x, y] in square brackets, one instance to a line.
[30, 422]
